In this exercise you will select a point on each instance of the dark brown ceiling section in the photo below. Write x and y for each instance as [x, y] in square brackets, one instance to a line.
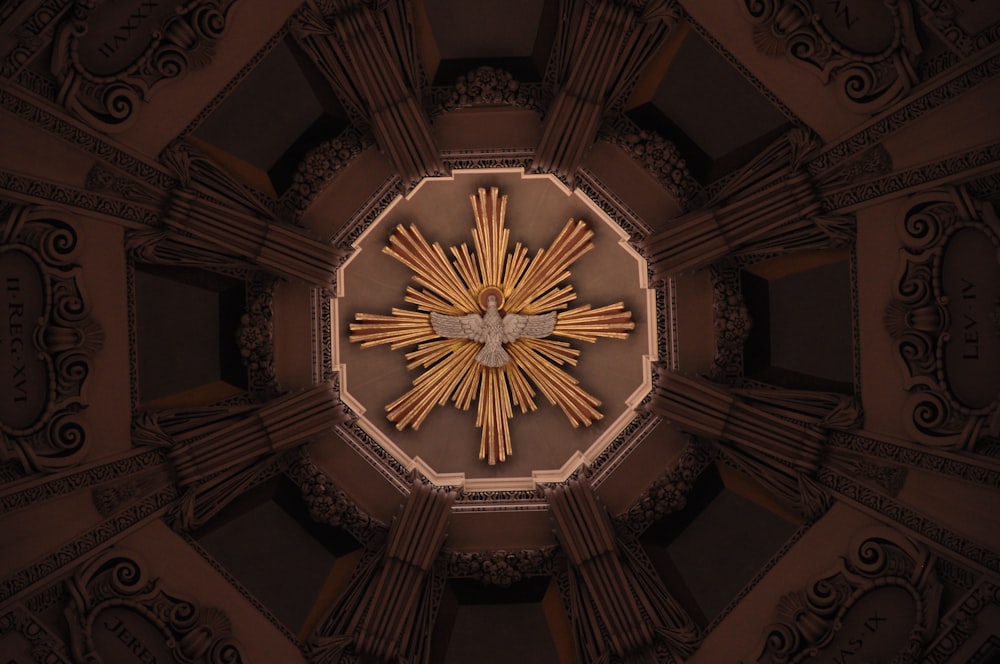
[774, 493]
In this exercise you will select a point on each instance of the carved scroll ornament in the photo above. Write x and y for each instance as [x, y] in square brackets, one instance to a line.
[110, 56]
[944, 319]
[117, 610]
[48, 340]
[880, 601]
[868, 48]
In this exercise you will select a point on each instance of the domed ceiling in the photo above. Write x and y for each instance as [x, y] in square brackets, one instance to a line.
[252, 246]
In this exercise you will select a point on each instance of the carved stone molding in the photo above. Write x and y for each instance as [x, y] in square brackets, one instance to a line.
[26, 189]
[925, 459]
[877, 503]
[850, 609]
[37, 642]
[962, 623]
[109, 57]
[90, 541]
[944, 320]
[967, 165]
[868, 49]
[50, 340]
[15, 498]
[117, 608]
[75, 133]
[905, 113]
[945, 18]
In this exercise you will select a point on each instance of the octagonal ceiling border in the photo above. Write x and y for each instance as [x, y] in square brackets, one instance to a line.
[602, 457]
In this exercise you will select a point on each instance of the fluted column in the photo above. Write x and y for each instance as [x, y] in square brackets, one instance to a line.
[369, 56]
[197, 221]
[217, 453]
[213, 220]
[619, 607]
[601, 49]
[388, 610]
[206, 450]
[770, 206]
[780, 453]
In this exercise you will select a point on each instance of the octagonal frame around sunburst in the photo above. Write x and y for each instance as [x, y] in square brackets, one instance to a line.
[529, 286]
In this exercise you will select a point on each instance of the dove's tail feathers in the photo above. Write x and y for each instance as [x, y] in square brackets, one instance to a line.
[492, 356]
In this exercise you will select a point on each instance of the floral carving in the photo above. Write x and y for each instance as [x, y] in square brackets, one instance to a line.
[657, 155]
[487, 86]
[321, 165]
[731, 321]
[668, 493]
[500, 568]
[328, 504]
[255, 339]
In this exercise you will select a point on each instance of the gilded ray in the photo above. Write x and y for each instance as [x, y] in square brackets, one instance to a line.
[459, 287]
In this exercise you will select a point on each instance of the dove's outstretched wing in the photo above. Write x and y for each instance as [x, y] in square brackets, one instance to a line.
[469, 326]
[516, 326]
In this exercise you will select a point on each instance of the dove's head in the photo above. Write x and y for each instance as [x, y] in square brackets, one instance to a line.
[491, 302]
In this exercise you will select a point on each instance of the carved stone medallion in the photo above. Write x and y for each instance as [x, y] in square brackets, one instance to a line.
[945, 320]
[47, 339]
[110, 56]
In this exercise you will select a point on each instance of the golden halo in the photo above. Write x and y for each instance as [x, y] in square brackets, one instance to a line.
[485, 294]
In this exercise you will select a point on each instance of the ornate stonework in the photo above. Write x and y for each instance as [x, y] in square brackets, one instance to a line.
[255, 338]
[50, 340]
[657, 155]
[944, 320]
[868, 49]
[467, 362]
[118, 608]
[108, 58]
[850, 609]
[486, 86]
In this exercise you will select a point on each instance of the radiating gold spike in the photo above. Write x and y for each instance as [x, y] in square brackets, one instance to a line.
[547, 266]
[433, 387]
[430, 265]
[610, 322]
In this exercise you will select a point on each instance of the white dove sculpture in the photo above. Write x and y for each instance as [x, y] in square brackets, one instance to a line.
[492, 330]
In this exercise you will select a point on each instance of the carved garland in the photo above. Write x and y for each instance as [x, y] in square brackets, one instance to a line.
[827, 616]
[944, 320]
[107, 59]
[255, 338]
[113, 599]
[869, 49]
[658, 156]
[48, 340]
[486, 86]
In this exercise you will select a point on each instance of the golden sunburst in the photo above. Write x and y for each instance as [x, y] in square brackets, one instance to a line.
[462, 286]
